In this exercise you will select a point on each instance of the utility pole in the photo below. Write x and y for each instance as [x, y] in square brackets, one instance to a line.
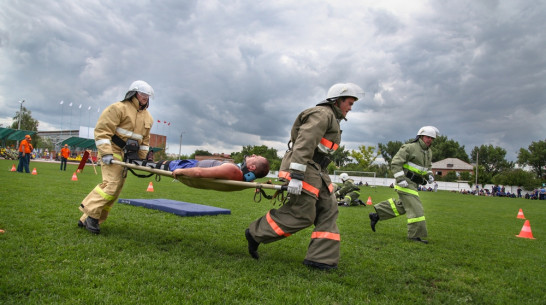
[180, 148]
[20, 118]
[477, 157]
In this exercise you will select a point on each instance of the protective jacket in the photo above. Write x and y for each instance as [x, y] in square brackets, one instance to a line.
[412, 163]
[126, 120]
[65, 152]
[315, 135]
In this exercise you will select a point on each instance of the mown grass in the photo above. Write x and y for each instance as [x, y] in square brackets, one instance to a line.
[150, 257]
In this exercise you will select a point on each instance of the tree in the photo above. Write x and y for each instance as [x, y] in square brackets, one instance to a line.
[443, 148]
[199, 152]
[389, 150]
[27, 121]
[365, 156]
[517, 177]
[483, 176]
[491, 158]
[341, 156]
[535, 157]
[269, 153]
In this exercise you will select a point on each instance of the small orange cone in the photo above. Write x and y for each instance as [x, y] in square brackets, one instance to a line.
[2, 231]
[526, 231]
[74, 177]
[78, 171]
[369, 202]
[150, 187]
[520, 214]
[34, 172]
[13, 169]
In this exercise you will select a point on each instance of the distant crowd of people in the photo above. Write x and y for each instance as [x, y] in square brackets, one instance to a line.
[500, 191]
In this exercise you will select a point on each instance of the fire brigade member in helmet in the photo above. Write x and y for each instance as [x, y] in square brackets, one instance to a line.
[121, 125]
[348, 193]
[411, 167]
[315, 135]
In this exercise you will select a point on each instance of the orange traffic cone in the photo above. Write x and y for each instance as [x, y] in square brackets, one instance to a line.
[520, 214]
[2, 231]
[526, 231]
[369, 202]
[34, 172]
[74, 177]
[78, 171]
[150, 187]
[13, 169]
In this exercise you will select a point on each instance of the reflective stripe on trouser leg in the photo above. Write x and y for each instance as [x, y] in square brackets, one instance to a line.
[390, 208]
[417, 226]
[104, 194]
[295, 215]
[325, 239]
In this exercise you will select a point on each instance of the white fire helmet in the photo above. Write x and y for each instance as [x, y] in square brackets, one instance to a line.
[343, 176]
[142, 87]
[341, 90]
[430, 131]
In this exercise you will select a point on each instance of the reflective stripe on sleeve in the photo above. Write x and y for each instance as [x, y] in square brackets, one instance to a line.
[416, 168]
[331, 187]
[418, 219]
[406, 190]
[298, 166]
[274, 226]
[128, 133]
[146, 148]
[310, 188]
[326, 235]
[398, 174]
[103, 141]
[326, 146]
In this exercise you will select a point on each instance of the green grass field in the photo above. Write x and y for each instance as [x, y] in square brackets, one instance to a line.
[150, 257]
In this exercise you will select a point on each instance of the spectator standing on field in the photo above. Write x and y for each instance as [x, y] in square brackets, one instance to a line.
[65, 154]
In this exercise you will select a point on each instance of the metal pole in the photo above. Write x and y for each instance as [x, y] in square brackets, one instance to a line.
[20, 118]
[180, 148]
[477, 157]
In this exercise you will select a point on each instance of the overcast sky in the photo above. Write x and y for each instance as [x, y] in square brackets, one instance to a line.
[234, 73]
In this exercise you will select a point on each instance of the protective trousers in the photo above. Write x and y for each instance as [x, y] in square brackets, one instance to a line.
[352, 198]
[408, 204]
[299, 213]
[100, 200]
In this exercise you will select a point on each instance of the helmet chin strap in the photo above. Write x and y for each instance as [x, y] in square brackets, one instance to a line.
[248, 176]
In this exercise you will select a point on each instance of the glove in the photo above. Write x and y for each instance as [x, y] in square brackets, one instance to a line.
[430, 179]
[403, 183]
[107, 159]
[294, 187]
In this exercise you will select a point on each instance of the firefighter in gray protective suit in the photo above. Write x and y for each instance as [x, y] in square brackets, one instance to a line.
[348, 194]
[411, 167]
[315, 135]
[122, 130]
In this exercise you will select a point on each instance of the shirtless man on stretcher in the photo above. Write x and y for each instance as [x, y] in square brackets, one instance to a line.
[252, 167]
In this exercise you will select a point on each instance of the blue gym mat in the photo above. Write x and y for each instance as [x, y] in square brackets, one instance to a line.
[179, 208]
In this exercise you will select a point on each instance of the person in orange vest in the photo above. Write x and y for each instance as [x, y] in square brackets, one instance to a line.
[25, 148]
[315, 135]
[65, 153]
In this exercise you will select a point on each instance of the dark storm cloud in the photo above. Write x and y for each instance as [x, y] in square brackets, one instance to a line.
[234, 73]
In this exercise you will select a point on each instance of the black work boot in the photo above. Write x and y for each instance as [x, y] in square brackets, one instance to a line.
[80, 224]
[252, 245]
[418, 239]
[319, 266]
[92, 225]
[374, 218]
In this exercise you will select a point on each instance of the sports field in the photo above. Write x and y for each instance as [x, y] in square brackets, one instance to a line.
[150, 257]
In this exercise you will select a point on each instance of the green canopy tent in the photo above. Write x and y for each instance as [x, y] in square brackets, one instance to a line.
[7, 134]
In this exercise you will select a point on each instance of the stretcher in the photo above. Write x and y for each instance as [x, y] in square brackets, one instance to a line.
[206, 183]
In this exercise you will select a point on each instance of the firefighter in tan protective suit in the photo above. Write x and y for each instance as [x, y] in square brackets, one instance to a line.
[315, 135]
[411, 167]
[123, 127]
